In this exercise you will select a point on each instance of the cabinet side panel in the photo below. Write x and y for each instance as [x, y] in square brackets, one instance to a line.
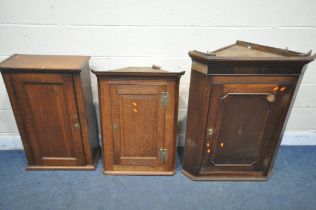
[287, 108]
[196, 120]
[87, 114]
[18, 117]
[92, 118]
[104, 93]
[171, 118]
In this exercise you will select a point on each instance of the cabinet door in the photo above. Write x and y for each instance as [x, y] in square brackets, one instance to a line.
[241, 119]
[50, 118]
[138, 124]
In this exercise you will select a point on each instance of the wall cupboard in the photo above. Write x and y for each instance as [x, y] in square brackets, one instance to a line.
[239, 101]
[138, 111]
[52, 103]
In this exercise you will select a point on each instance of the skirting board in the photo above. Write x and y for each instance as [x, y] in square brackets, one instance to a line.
[13, 141]
[10, 142]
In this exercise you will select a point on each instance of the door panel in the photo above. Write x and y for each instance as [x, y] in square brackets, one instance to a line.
[49, 114]
[138, 124]
[241, 124]
[239, 115]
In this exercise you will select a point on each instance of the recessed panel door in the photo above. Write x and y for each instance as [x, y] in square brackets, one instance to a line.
[50, 116]
[138, 124]
[239, 120]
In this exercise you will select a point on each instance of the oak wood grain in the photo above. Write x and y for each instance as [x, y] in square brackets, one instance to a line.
[50, 107]
[135, 124]
[242, 93]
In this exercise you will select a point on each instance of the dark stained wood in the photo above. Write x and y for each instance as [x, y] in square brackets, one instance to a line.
[196, 118]
[245, 105]
[238, 68]
[135, 124]
[52, 114]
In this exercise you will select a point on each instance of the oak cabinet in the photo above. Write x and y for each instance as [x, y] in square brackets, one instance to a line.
[239, 100]
[138, 112]
[52, 103]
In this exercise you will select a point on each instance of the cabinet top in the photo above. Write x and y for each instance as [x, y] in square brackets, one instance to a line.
[44, 62]
[153, 71]
[250, 52]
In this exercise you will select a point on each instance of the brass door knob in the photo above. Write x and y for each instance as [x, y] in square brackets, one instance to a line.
[210, 131]
[271, 98]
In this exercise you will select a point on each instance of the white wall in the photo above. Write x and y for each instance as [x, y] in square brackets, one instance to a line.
[120, 33]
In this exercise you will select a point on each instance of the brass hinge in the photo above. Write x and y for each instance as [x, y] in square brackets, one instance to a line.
[164, 98]
[163, 155]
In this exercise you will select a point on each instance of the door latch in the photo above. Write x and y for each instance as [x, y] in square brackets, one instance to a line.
[164, 98]
[163, 155]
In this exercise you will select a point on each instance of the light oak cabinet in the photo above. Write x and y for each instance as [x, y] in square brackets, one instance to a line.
[240, 98]
[52, 103]
[138, 111]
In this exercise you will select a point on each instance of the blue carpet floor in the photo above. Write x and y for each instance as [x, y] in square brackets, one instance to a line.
[293, 186]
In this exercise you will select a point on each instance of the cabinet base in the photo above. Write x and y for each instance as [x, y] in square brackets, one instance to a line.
[140, 173]
[91, 167]
[226, 177]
